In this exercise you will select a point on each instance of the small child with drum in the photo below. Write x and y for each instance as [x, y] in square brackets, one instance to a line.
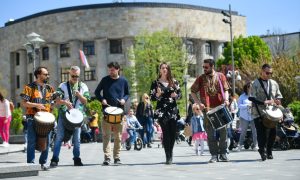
[198, 132]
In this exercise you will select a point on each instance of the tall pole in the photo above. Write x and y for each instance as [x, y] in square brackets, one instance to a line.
[232, 58]
[33, 58]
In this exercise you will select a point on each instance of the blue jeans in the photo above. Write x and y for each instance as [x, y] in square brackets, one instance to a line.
[149, 129]
[132, 135]
[60, 136]
[32, 137]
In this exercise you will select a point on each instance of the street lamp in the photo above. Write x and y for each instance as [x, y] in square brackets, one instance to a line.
[33, 45]
[185, 80]
[232, 58]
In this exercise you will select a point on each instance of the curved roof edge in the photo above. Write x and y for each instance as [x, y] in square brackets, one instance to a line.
[111, 5]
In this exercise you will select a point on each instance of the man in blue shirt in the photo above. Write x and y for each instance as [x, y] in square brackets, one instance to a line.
[115, 92]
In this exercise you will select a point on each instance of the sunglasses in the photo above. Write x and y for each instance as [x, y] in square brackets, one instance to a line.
[205, 67]
[268, 73]
[74, 76]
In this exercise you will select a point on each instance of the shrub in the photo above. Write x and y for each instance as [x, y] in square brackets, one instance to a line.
[16, 123]
[295, 108]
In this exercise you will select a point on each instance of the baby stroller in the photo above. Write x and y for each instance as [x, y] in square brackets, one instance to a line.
[287, 135]
[180, 131]
[234, 141]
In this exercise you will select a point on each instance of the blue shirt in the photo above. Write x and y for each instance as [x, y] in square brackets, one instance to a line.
[112, 90]
[245, 107]
[132, 122]
[197, 124]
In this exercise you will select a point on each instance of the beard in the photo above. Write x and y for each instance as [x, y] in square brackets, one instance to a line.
[208, 72]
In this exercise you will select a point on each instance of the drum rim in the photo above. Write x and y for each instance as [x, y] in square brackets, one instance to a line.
[215, 109]
[51, 117]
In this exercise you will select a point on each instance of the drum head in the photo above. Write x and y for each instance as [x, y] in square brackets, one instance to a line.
[113, 110]
[44, 117]
[274, 112]
[215, 109]
[75, 116]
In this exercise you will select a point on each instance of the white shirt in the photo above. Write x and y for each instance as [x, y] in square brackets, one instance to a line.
[4, 109]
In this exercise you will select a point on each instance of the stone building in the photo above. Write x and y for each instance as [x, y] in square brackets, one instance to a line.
[283, 44]
[104, 32]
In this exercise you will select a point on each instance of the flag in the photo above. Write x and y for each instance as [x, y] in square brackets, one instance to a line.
[83, 59]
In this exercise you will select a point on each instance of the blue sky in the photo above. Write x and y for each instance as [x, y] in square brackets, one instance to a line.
[274, 15]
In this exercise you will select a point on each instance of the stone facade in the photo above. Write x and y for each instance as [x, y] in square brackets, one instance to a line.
[101, 23]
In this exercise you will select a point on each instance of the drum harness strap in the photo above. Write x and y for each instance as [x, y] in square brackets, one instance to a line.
[70, 94]
[74, 104]
[267, 95]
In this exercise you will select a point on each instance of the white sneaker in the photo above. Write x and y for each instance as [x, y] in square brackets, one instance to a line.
[239, 148]
[255, 148]
[5, 144]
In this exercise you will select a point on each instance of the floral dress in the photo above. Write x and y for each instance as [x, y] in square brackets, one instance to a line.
[166, 108]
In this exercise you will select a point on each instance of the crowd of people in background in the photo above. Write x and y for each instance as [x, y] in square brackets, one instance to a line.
[143, 119]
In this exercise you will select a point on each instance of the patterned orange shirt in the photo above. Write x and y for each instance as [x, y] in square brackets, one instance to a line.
[32, 94]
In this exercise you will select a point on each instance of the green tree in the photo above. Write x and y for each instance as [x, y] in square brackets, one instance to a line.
[284, 72]
[148, 52]
[252, 48]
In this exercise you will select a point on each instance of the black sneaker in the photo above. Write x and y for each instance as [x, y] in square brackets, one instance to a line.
[44, 167]
[106, 162]
[77, 162]
[117, 161]
[269, 156]
[53, 164]
[223, 158]
[149, 146]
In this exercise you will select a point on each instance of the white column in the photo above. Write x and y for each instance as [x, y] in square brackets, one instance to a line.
[200, 56]
[101, 50]
[217, 50]
[54, 63]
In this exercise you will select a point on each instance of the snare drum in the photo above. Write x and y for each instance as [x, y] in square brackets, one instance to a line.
[113, 115]
[219, 117]
[43, 124]
[72, 119]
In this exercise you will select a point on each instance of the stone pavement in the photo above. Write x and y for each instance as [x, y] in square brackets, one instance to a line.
[149, 164]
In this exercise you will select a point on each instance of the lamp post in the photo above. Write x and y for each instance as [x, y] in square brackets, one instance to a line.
[33, 45]
[185, 80]
[231, 39]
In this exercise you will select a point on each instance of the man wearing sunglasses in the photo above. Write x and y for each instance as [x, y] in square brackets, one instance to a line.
[73, 94]
[208, 85]
[264, 91]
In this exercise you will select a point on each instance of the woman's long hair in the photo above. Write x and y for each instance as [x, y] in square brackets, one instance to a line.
[1, 97]
[169, 74]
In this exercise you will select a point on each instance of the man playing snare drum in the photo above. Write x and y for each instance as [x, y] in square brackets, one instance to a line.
[36, 96]
[264, 91]
[211, 96]
[73, 94]
[115, 92]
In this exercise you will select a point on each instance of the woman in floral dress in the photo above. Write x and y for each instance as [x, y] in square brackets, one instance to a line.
[165, 90]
